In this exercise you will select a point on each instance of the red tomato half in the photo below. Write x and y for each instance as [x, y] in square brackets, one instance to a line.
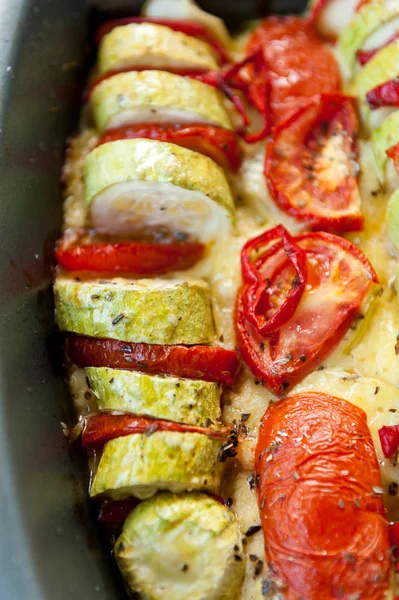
[338, 277]
[209, 363]
[311, 165]
[298, 62]
[219, 144]
[130, 257]
[188, 27]
[105, 426]
[321, 501]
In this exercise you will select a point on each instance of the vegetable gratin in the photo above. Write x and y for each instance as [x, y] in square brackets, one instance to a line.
[227, 295]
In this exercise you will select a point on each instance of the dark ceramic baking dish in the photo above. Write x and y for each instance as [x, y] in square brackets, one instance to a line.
[49, 545]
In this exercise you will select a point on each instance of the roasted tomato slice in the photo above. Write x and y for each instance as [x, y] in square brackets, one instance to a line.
[209, 363]
[338, 276]
[219, 144]
[129, 257]
[311, 165]
[321, 500]
[104, 426]
[298, 63]
[386, 94]
[188, 27]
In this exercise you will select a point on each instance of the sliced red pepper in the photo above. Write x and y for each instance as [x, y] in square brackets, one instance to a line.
[295, 66]
[315, 10]
[105, 426]
[386, 94]
[361, 3]
[258, 289]
[188, 27]
[311, 165]
[363, 56]
[208, 363]
[216, 142]
[338, 278]
[130, 257]
[389, 438]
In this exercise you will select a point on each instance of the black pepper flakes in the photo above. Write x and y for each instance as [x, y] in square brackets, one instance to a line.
[393, 488]
[117, 319]
[252, 530]
[258, 568]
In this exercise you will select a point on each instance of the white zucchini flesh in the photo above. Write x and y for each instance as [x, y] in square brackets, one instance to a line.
[129, 208]
[382, 35]
[336, 17]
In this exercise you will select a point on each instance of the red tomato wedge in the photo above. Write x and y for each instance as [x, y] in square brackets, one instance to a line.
[363, 56]
[308, 326]
[209, 363]
[188, 27]
[311, 165]
[104, 426]
[389, 438]
[130, 257]
[386, 94]
[298, 64]
[321, 502]
[219, 144]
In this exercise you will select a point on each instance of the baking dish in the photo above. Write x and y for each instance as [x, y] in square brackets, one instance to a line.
[49, 546]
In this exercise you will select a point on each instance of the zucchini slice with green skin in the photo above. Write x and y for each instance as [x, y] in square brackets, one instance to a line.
[182, 400]
[185, 547]
[393, 218]
[152, 46]
[155, 97]
[134, 186]
[370, 28]
[383, 67]
[139, 465]
[187, 10]
[382, 139]
[335, 16]
[154, 311]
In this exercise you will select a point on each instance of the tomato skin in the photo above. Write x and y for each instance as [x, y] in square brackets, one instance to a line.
[188, 27]
[130, 257]
[302, 343]
[208, 363]
[105, 426]
[219, 144]
[321, 501]
[299, 64]
[295, 167]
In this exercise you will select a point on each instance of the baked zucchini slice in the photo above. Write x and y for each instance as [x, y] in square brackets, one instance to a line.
[153, 47]
[334, 17]
[383, 67]
[134, 186]
[187, 10]
[182, 400]
[382, 139]
[185, 547]
[155, 97]
[371, 27]
[155, 311]
[393, 218]
[139, 465]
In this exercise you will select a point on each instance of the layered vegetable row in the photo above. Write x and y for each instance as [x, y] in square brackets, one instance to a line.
[156, 201]
[170, 115]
